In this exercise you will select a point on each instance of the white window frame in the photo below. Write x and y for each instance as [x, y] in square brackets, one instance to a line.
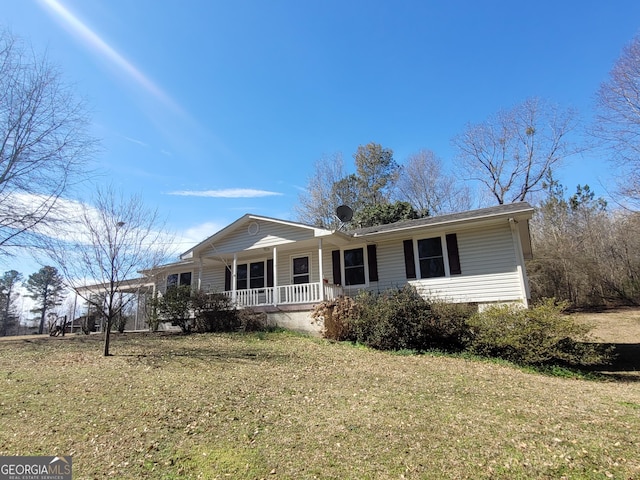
[365, 256]
[445, 256]
[179, 274]
[248, 264]
[310, 263]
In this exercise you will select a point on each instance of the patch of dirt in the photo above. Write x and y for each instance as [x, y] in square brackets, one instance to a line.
[621, 325]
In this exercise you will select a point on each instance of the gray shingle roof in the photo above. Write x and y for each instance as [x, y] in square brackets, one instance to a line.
[482, 213]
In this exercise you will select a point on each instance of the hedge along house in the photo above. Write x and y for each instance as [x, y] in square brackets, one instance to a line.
[284, 268]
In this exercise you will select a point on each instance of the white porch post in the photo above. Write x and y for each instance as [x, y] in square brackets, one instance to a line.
[199, 273]
[135, 321]
[320, 273]
[276, 293]
[234, 278]
[153, 296]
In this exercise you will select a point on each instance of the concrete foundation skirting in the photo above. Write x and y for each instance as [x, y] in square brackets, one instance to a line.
[292, 317]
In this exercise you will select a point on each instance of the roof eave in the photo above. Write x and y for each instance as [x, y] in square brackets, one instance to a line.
[526, 212]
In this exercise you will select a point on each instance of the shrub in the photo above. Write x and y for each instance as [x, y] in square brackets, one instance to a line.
[175, 307]
[541, 335]
[402, 319]
[88, 323]
[151, 313]
[334, 317]
[392, 320]
[397, 319]
[251, 321]
[214, 312]
[119, 323]
[450, 328]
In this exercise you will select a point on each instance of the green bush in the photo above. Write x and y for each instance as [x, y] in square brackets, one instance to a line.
[540, 335]
[450, 329]
[214, 312]
[401, 318]
[392, 320]
[397, 319]
[175, 307]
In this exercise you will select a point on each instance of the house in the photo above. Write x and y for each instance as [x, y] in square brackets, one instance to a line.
[285, 268]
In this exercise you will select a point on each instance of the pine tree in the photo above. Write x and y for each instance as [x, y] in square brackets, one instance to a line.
[46, 287]
[8, 284]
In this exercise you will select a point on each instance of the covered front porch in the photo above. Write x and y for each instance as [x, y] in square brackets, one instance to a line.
[270, 271]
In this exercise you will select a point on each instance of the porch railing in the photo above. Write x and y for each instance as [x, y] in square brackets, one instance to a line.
[285, 294]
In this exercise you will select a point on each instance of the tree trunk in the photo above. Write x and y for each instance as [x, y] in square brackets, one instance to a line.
[106, 337]
[41, 327]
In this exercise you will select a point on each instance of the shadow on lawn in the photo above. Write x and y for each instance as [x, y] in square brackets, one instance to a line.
[626, 364]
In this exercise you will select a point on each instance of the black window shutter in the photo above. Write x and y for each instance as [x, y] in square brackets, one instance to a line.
[227, 279]
[270, 272]
[373, 263]
[409, 260]
[337, 277]
[454, 256]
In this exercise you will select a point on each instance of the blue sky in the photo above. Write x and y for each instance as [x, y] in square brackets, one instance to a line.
[238, 99]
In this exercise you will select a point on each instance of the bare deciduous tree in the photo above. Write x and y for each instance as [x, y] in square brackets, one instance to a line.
[425, 185]
[323, 193]
[119, 237]
[584, 253]
[44, 144]
[618, 117]
[511, 152]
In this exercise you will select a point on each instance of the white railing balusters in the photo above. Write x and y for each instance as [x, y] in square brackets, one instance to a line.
[288, 294]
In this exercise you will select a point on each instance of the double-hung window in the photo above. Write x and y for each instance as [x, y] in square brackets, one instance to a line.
[354, 273]
[435, 257]
[431, 257]
[300, 270]
[358, 266]
[250, 275]
[178, 279]
[256, 275]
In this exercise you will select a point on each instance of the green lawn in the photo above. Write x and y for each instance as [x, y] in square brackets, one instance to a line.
[284, 406]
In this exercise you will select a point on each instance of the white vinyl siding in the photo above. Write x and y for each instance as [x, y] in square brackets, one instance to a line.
[268, 235]
[487, 260]
[489, 269]
[212, 279]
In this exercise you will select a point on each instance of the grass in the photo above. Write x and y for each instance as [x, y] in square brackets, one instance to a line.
[279, 405]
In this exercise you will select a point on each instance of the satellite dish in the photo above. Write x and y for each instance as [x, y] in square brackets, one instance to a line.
[344, 213]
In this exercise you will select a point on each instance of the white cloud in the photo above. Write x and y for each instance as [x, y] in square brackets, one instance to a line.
[226, 193]
[137, 142]
[196, 234]
[65, 221]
